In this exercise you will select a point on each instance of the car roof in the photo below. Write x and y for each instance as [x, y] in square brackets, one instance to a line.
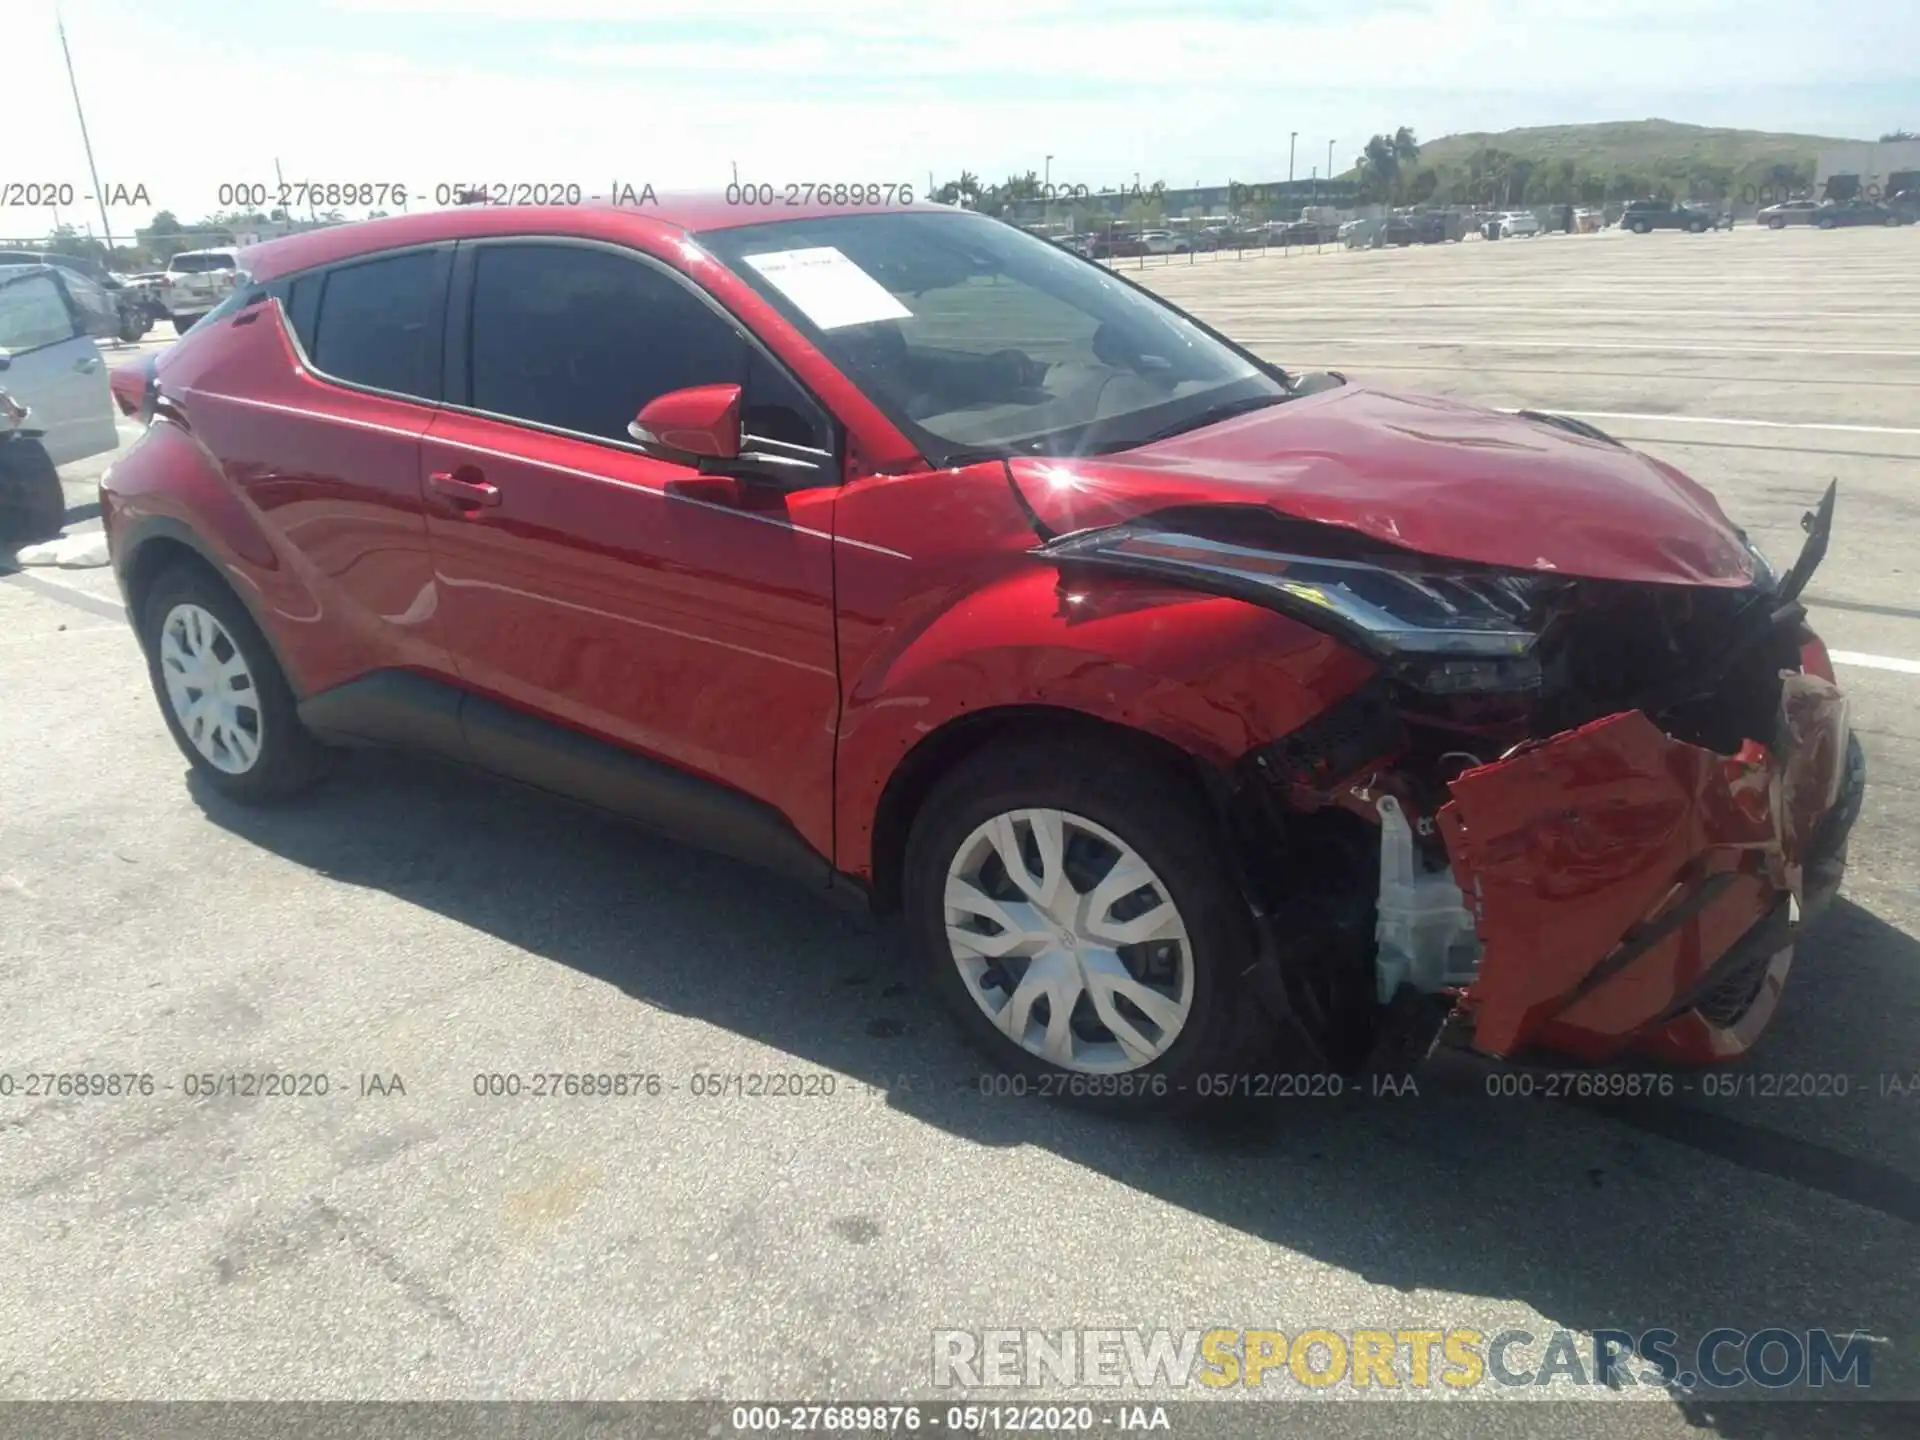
[666, 215]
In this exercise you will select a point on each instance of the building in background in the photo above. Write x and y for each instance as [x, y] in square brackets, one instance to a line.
[1873, 169]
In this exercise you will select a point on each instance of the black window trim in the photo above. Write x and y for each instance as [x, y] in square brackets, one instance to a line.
[456, 362]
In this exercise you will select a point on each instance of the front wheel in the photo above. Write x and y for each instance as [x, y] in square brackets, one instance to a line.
[1642, 228]
[182, 323]
[1071, 906]
[223, 695]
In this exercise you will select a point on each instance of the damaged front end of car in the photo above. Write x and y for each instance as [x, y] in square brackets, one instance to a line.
[1567, 815]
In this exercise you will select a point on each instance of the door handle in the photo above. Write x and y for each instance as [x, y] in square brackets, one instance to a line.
[87, 364]
[469, 493]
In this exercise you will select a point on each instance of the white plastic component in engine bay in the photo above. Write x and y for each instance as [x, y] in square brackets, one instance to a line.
[1424, 933]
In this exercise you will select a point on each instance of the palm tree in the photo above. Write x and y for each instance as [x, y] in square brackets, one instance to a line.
[964, 190]
[1379, 167]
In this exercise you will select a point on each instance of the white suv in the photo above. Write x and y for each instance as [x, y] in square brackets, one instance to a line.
[195, 282]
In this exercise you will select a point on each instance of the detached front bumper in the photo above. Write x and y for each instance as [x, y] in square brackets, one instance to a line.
[1634, 893]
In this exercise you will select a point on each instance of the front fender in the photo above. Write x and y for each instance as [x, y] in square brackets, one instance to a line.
[1212, 675]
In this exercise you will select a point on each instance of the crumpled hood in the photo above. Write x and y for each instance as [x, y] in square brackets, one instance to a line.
[1423, 473]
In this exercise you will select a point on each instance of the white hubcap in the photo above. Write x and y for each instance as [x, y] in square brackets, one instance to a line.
[1068, 941]
[210, 689]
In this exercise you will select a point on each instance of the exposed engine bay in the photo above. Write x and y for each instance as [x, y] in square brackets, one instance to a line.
[1375, 832]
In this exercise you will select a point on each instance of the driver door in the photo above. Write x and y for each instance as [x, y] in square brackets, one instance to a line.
[54, 368]
[610, 592]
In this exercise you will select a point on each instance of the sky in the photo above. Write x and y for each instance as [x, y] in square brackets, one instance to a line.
[192, 94]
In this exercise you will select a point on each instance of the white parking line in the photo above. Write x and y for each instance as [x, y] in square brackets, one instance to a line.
[1875, 662]
[1573, 343]
[1755, 424]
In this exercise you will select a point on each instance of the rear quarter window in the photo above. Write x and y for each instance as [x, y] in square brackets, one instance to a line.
[378, 324]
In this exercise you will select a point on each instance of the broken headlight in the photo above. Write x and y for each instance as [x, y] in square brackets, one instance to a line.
[1443, 632]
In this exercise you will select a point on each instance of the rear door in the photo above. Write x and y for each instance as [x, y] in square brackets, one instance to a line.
[317, 426]
[55, 368]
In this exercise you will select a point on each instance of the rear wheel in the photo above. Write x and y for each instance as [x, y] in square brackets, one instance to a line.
[1776, 223]
[224, 697]
[1824, 223]
[32, 505]
[1071, 906]
[182, 323]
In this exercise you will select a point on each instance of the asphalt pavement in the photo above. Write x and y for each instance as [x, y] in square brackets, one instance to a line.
[410, 928]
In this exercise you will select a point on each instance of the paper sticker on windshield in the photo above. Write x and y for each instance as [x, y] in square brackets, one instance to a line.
[830, 289]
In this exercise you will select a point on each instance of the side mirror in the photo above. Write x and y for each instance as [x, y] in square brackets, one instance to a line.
[702, 420]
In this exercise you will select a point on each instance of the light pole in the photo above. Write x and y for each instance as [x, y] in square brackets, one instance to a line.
[1295, 135]
[99, 190]
[1329, 160]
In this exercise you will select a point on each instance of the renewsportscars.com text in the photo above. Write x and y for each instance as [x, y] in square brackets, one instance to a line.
[1454, 1359]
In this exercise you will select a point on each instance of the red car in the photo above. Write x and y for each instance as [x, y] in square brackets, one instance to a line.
[1203, 719]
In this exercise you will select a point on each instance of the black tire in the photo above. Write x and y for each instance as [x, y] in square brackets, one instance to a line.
[1824, 223]
[182, 323]
[1162, 817]
[289, 759]
[33, 507]
[1776, 223]
[1640, 227]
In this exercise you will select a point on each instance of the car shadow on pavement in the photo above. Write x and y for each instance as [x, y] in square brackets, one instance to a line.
[1628, 1220]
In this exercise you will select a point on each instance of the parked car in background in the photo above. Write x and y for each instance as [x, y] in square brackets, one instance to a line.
[118, 308]
[1644, 216]
[50, 363]
[1518, 223]
[1198, 717]
[1164, 242]
[1837, 213]
[1787, 212]
[1304, 232]
[196, 281]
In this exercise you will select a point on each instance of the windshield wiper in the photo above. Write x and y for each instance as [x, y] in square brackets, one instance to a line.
[1212, 415]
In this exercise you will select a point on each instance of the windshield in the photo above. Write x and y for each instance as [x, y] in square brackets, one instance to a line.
[200, 263]
[976, 338]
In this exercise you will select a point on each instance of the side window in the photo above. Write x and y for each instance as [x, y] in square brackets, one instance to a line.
[33, 314]
[379, 324]
[773, 407]
[580, 339]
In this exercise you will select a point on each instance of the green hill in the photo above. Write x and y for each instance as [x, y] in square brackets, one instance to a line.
[1633, 144]
[1593, 164]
